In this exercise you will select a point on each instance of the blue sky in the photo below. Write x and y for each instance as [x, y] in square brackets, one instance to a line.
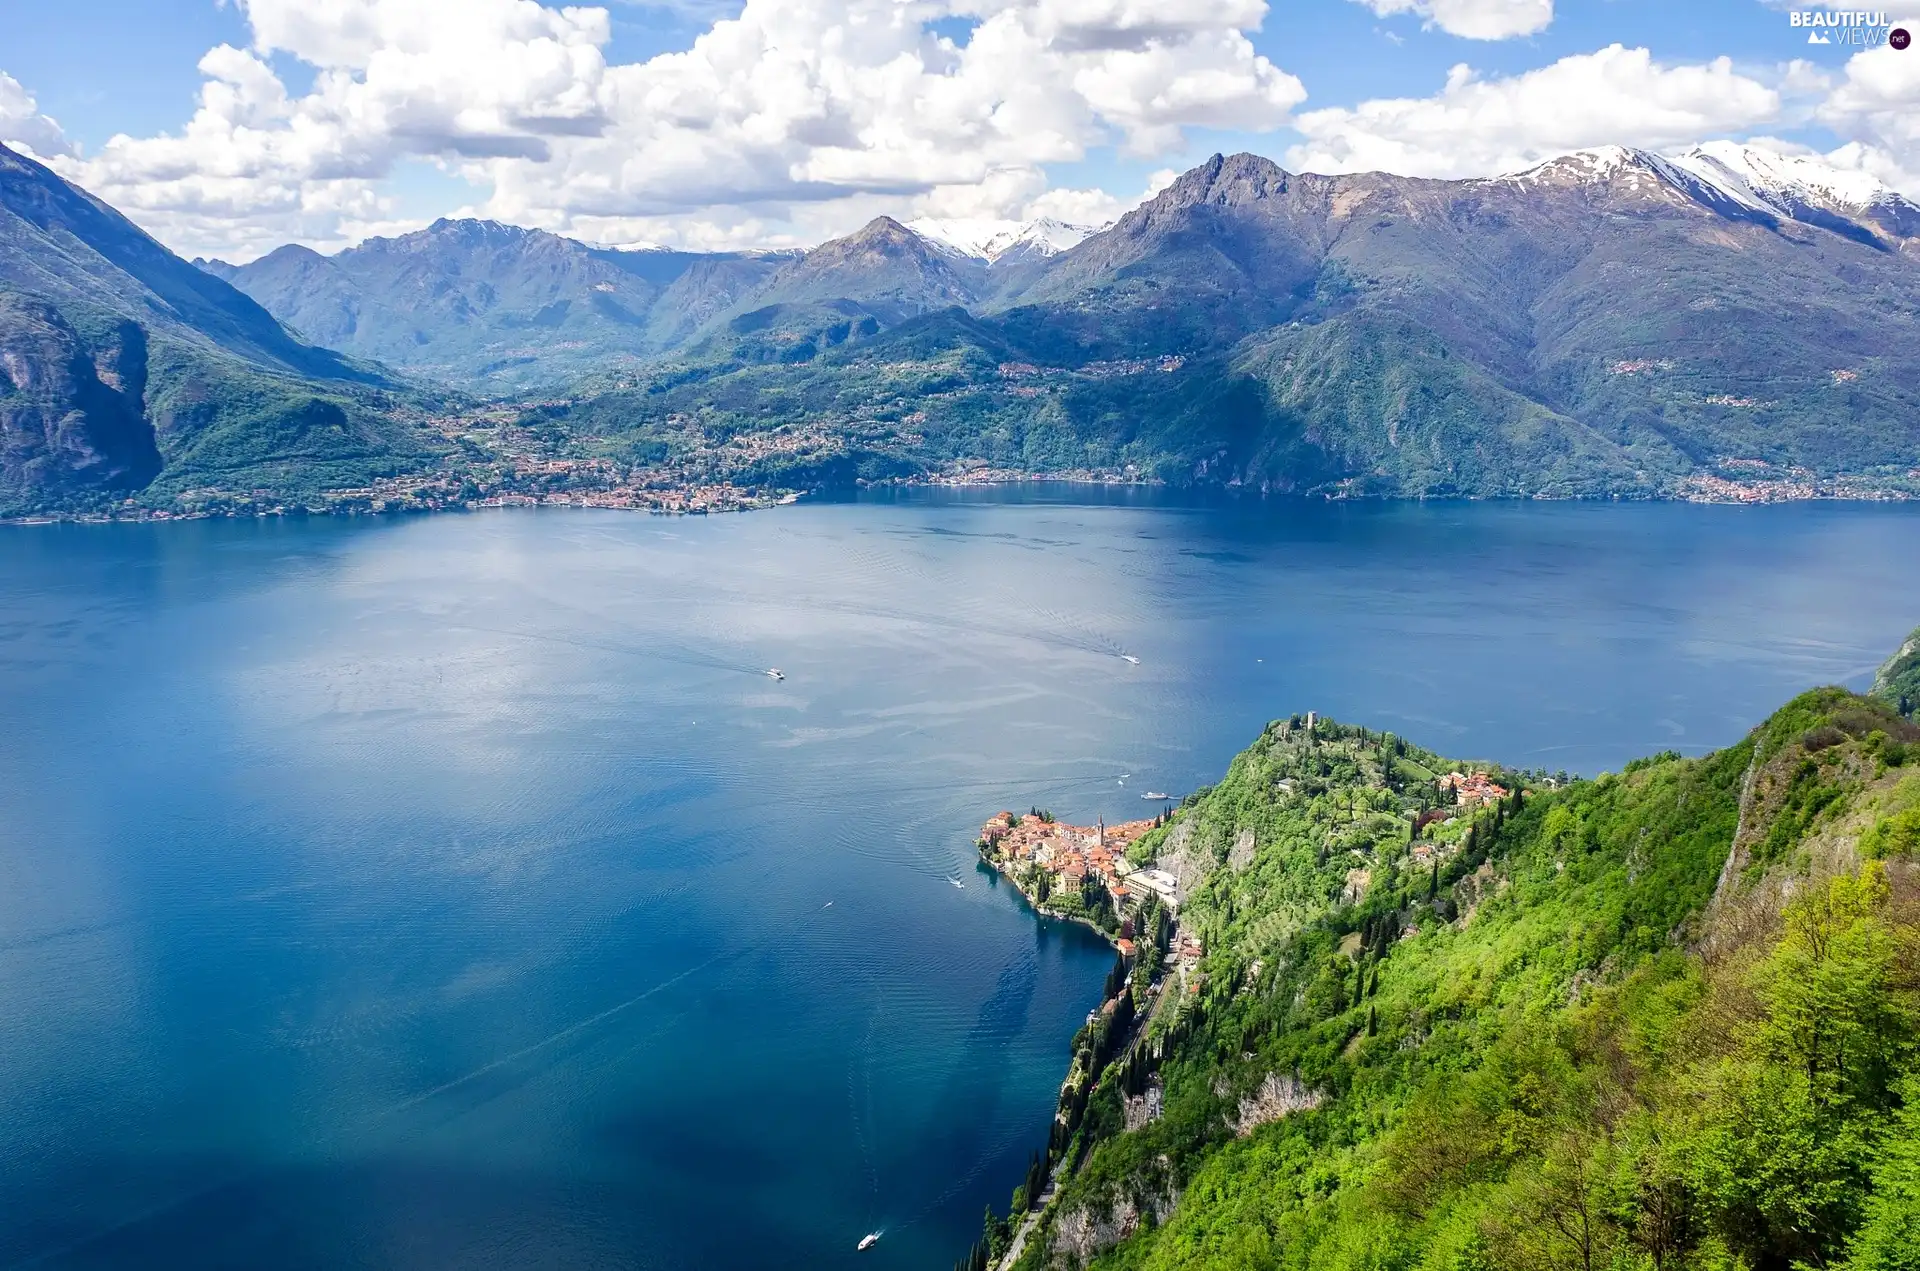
[793, 119]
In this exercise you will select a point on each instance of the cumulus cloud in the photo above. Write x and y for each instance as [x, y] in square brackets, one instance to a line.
[1476, 126]
[22, 124]
[1875, 109]
[1474, 19]
[1094, 206]
[792, 118]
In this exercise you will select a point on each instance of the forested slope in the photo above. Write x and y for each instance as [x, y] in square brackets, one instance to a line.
[1668, 1018]
[125, 371]
[1898, 683]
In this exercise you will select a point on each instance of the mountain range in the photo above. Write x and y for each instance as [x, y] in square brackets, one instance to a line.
[513, 310]
[480, 302]
[1610, 323]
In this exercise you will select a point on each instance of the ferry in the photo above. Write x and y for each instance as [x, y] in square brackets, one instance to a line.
[867, 1242]
[1155, 794]
[774, 673]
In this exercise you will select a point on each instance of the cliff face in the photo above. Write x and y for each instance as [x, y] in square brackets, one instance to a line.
[1898, 682]
[1416, 1041]
[122, 365]
[72, 412]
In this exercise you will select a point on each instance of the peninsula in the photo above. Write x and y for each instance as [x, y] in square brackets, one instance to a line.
[1439, 1013]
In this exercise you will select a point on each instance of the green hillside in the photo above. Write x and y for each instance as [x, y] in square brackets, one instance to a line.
[127, 372]
[1898, 683]
[1667, 1018]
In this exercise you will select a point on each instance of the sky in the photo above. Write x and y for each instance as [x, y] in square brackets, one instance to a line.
[229, 127]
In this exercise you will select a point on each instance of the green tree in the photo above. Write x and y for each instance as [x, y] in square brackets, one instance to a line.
[1889, 1238]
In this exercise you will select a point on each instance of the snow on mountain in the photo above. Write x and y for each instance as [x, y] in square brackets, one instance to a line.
[1599, 165]
[1742, 179]
[981, 238]
[1765, 172]
[1776, 179]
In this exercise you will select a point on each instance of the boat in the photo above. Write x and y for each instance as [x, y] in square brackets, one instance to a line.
[1129, 657]
[774, 673]
[1155, 794]
[867, 1242]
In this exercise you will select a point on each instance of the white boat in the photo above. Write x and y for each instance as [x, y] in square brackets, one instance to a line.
[773, 673]
[1129, 657]
[867, 1242]
[1155, 794]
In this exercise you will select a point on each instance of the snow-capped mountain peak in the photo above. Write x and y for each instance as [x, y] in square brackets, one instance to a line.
[1744, 180]
[981, 238]
[1769, 175]
[1593, 166]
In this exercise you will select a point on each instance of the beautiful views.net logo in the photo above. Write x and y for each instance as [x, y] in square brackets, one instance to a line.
[1863, 28]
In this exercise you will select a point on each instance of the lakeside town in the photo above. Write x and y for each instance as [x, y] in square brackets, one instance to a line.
[1084, 873]
[1131, 887]
[1049, 861]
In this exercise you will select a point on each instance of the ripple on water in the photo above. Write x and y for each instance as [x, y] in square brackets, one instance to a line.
[452, 889]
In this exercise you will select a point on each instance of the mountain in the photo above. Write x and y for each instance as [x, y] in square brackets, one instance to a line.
[1413, 1012]
[1610, 319]
[845, 289]
[123, 366]
[480, 303]
[1804, 188]
[998, 241]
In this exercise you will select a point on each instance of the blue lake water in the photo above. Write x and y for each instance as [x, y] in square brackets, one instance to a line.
[459, 893]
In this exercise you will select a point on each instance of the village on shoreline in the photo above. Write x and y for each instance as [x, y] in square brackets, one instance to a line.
[1107, 877]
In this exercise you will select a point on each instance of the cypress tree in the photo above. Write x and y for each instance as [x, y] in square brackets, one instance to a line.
[1373, 1022]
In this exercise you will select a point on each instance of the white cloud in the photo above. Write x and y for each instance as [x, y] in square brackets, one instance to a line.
[1476, 126]
[1474, 19]
[22, 124]
[1875, 109]
[1093, 206]
[789, 120]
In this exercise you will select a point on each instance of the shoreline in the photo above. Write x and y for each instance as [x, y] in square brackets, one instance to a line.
[1041, 910]
[1041, 857]
[160, 516]
[425, 495]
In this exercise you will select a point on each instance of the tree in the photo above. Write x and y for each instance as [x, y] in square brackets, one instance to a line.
[1889, 1238]
[1554, 1218]
[996, 1235]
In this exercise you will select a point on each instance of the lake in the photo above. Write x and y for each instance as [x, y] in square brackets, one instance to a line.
[460, 892]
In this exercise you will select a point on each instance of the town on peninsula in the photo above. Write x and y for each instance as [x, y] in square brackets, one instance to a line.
[1373, 805]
